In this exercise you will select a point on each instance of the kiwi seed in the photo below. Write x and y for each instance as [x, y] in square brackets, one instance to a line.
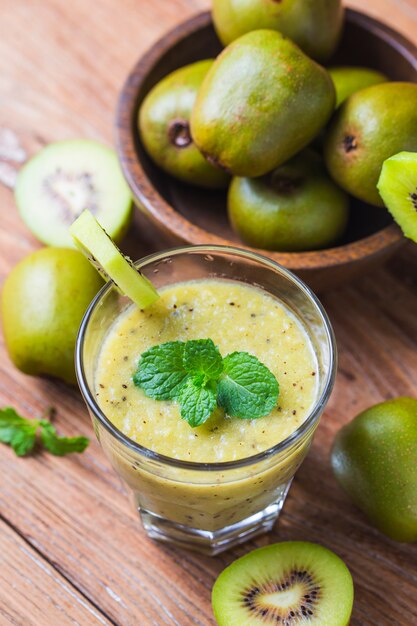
[397, 188]
[413, 198]
[255, 598]
[55, 188]
[292, 583]
[63, 179]
[106, 257]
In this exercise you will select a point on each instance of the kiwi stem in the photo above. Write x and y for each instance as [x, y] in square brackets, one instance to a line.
[350, 143]
[179, 133]
[215, 162]
[285, 184]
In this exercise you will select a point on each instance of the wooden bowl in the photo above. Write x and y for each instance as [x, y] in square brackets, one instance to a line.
[199, 216]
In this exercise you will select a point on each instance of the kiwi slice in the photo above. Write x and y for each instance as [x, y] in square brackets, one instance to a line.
[65, 178]
[293, 583]
[397, 187]
[106, 257]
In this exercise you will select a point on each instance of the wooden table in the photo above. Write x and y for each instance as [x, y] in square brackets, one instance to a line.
[71, 549]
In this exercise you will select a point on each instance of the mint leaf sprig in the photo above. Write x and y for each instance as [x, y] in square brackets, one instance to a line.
[21, 435]
[194, 374]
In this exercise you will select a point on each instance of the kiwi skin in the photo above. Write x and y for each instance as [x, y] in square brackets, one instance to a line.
[315, 584]
[43, 301]
[371, 126]
[164, 128]
[295, 207]
[374, 460]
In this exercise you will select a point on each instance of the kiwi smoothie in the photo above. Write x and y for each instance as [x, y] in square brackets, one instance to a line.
[237, 317]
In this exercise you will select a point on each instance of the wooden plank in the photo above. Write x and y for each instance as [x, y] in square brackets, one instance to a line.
[82, 521]
[32, 592]
[61, 80]
[400, 14]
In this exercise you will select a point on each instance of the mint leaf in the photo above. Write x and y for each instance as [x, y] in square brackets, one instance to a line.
[24, 440]
[202, 358]
[247, 389]
[194, 374]
[10, 424]
[59, 446]
[197, 402]
[161, 370]
[18, 432]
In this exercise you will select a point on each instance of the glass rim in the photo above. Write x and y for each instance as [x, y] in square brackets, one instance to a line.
[283, 445]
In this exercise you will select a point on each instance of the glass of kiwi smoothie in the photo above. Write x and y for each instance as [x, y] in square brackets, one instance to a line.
[211, 486]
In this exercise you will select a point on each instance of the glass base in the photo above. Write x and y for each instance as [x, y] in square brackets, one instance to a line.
[212, 542]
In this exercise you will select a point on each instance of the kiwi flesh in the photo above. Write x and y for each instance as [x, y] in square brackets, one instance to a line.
[65, 178]
[397, 187]
[293, 583]
[101, 251]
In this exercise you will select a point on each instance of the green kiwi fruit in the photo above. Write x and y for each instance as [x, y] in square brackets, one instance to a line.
[371, 126]
[65, 178]
[397, 187]
[261, 102]
[348, 80]
[164, 127]
[293, 583]
[314, 25]
[374, 460]
[101, 251]
[295, 207]
[43, 302]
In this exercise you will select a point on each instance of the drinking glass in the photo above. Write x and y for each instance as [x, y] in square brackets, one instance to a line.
[208, 507]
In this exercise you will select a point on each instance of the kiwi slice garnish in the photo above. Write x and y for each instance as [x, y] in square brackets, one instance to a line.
[292, 583]
[65, 178]
[106, 257]
[397, 187]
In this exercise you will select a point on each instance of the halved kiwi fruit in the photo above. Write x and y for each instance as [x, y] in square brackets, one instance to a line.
[292, 583]
[397, 187]
[65, 178]
[102, 252]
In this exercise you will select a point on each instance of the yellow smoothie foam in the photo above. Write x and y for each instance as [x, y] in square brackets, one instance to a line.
[237, 317]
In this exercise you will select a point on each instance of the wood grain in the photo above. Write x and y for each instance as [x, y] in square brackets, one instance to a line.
[31, 589]
[72, 550]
